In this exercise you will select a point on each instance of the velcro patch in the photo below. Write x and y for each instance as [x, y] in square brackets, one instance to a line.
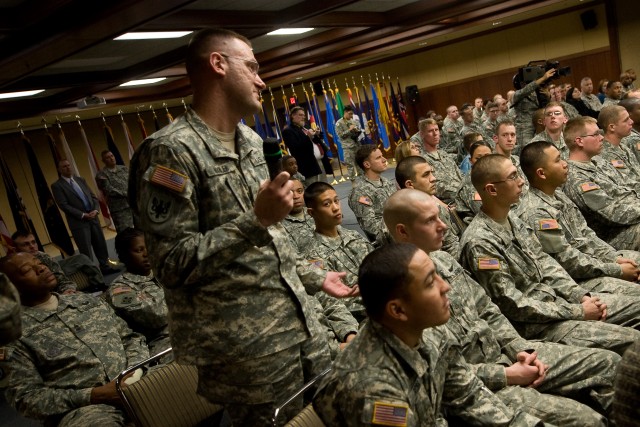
[589, 186]
[548, 224]
[317, 262]
[387, 414]
[476, 196]
[365, 200]
[169, 178]
[121, 290]
[618, 164]
[488, 264]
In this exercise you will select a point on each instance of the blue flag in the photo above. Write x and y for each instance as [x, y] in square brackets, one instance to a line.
[331, 126]
[381, 127]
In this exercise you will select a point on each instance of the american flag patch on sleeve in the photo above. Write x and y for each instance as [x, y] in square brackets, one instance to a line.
[618, 164]
[365, 200]
[589, 186]
[387, 414]
[168, 178]
[488, 264]
[317, 262]
[548, 224]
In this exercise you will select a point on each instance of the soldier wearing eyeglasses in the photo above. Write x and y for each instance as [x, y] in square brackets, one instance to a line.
[554, 121]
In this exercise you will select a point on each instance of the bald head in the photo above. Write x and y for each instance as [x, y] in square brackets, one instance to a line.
[403, 208]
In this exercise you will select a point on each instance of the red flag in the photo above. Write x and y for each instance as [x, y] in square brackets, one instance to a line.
[68, 155]
[141, 126]
[127, 134]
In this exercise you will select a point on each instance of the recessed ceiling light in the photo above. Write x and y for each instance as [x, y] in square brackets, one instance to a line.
[422, 44]
[289, 31]
[143, 82]
[298, 78]
[496, 23]
[153, 35]
[20, 94]
[353, 63]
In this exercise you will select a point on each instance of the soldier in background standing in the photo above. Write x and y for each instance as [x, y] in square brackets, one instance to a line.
[350, 135]
[113, 180]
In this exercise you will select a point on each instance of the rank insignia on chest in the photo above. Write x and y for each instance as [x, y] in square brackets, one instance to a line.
[317, 262]
[476, 196]
[589, 186]
[488, 264]
[548, 224]
[365, 200]
[618, 164]
[168, 178]
[390, 415]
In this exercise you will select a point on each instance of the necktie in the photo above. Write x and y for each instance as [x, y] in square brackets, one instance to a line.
[80, 193]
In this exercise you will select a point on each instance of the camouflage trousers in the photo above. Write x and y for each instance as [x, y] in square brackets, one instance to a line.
[122, 219]
[349, 152]
[556, 410]
[627, 239]
[611, 285]
[94, 416]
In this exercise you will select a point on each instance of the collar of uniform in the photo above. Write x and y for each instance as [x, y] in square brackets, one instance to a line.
[379, 183]
[215, 147]
[136, 278]
[410, 355]
[497, 229]
[587, 166]
[542, 195]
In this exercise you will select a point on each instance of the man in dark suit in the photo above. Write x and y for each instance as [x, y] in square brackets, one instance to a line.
[80, 206]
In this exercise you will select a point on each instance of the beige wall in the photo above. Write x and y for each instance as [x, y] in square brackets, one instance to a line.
[628, 20]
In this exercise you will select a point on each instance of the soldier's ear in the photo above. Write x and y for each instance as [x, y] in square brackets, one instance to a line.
[540, 173]
[408, 184]
[491, 189]
[310, 212]
[395, 310]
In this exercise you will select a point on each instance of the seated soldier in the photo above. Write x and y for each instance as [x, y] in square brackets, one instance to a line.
[289, 164]
[467, 200]
[136, 295]
[62, 370]
[335, 248]
[26, 242]
[506, 142]
[563, 231]
[340, 326]
[616, 123]
[401, 369]
[415, 172]
[370, 191]
[535, 293]
[500, 357]
[611, 208]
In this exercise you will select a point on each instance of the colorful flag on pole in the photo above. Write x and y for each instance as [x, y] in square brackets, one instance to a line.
[131, 147]
[267, 122]
[258, 126]
[156, 122]
[275, 117]
[331, 125]
[52, 218]
[388, 112]
[169, 116]
[287, 113]
[371, 124]
[143, 130]
[68, 155]
[56, 155]
[21, 218]
[5, 237]
[339, 104]
[402, 106]
[111, 143]
[93, 166]
[380, 119]
[398, 118]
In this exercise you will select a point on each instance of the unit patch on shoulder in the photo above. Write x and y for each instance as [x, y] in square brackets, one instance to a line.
[317, 262]
[365, 200]
[159, 207]
[589, 186]
[476, 196]
[168, 178]
[618, 164]
[548, 224]
[387, 414]
[488, 264]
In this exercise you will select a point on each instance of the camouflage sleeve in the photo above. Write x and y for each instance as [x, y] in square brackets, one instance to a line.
[536, 306]
[27, 393]
[451, 244]
[107, 187]
[184, 253]
[592, 197]
[134, 343]
[64, 284]
[338, 316]
[144, 307]
[520, 94]
[310, 275]
[10, 322]
[466, 397]
[342, 130]
[363, 208]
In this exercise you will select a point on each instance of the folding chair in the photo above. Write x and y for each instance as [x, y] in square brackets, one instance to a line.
[307, 417]
[166, 397]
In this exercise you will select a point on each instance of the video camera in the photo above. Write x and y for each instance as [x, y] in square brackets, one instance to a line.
[536, 69]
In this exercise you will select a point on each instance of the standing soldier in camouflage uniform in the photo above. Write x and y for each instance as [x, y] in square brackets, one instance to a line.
[402, 369]
[416, 173]
[62, 370]
[112, 180]
[335, 248]
[136, 295]
[443, 164]
[238, 309]
[617, 124]
[563, 231]
[531, 289]
[350, 135]
[525, 103]
[611, 208]
[452, 130]
[632, 142]
[489, 126]
[554, 121]
[370, 191]
[490, 343]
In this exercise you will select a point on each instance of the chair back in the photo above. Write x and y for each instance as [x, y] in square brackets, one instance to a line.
[306, 417]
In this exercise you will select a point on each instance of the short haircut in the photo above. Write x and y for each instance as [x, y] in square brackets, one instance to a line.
[555, 104]
[537, 115]
[585, 80]
[629, 103]
[476, 145]
[486, 170]
[532, 156]
[490, 105]
[422, 124]
[609, 115]
[574, 128]
[347, 108]
[502, 123]
[21, 233]
[406, 169]
[466, 106]
[469, 139]
[123, 241]
[363, 154]
[313, 191]
[610, 83]
[295, 110]
[384, 275]
[203, 43]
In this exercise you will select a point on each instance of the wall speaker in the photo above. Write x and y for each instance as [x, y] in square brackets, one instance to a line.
[589, 19]
[413, 94]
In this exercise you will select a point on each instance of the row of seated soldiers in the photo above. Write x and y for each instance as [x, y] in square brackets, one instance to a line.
[531, 335]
